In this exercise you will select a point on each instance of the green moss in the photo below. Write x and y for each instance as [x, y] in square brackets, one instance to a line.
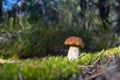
[52, 68]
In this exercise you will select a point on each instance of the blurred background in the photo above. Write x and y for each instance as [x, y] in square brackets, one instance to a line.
[30, 28]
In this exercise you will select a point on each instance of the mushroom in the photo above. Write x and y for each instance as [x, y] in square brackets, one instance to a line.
[75, 43]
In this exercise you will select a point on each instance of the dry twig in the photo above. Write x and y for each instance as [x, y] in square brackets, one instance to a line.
[102, 72]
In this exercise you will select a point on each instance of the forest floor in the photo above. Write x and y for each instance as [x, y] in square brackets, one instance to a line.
[104, 65]
[109, 71]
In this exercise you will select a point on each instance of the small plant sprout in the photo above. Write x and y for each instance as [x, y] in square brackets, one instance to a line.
[75, 43]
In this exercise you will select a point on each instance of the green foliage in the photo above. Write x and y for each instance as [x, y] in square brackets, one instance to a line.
[39, 41]
[102, 56]
[36, 34]
[36, 42]
[88, 59]
[53, 68]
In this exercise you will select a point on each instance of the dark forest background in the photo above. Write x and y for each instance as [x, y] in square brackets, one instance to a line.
[39, 27]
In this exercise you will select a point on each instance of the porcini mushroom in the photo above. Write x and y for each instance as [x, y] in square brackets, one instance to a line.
[75, 43]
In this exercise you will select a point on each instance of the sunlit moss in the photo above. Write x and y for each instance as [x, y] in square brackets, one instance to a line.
[51, 68]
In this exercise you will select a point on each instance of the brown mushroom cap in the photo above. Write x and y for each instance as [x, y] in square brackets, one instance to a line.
[74, 41]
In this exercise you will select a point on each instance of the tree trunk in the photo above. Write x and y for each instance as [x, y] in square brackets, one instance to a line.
[117, 8]
[0, 9]
[83, 5]
[104, 7]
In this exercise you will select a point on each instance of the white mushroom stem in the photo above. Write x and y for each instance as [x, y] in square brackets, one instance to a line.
[73, 53]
